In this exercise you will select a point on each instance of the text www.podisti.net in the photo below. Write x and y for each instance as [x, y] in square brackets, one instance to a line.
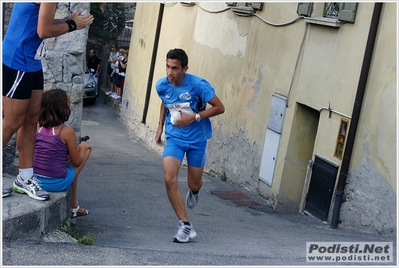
[349, 252]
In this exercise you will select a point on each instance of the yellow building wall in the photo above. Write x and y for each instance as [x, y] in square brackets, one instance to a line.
[247, 60]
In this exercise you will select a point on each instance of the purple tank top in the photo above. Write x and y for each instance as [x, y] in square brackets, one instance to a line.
[50, 154]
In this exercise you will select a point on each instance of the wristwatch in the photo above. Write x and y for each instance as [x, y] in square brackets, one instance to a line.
[197, 117]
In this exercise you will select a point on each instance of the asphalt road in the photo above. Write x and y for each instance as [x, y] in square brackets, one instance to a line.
[133, 224]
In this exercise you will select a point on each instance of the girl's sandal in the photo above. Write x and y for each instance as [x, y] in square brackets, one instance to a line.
[75, 212]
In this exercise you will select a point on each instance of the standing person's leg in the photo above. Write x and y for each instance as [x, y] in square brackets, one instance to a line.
[21, 107]
[84, 151]
[111, 85]
[114, 82]
[26, 182]
[117, 89]
[117, 85]
[13, 118]
[97, 85]
[26, 135]
[14, 110]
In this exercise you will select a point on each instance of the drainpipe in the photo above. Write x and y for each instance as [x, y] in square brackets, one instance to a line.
[152, 66]
[356, 113]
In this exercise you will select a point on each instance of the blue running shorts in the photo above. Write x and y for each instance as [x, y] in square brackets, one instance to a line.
[50, 184]
[195, 152]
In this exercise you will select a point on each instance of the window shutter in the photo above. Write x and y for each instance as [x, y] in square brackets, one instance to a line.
[305, 9]
[257, 5]
[254, 5]
[347, 12]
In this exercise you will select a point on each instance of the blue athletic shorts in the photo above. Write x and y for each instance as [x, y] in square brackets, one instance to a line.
[57, 184]
[195, 152]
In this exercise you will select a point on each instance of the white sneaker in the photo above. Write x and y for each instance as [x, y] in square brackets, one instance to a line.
[184, 233]
[191, 199]
[30, 187]
[6, 190]
[109, 93]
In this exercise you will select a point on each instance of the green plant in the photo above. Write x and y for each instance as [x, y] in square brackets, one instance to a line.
[109, 18]
[223, 177]
[85, 240]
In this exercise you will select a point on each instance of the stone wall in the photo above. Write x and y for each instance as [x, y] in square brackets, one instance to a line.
[63, 67]
[7, 7]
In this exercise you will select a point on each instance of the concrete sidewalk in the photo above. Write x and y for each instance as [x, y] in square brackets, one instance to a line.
[132, 222]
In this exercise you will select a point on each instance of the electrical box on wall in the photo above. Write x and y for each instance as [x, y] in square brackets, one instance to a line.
[277, 112]
[272, 140]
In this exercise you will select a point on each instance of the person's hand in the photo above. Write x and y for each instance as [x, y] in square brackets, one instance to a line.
[158, 137]
[83, 146]
[184, 120]
[82, 21]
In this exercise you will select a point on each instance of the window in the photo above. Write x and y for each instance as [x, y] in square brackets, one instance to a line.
[341, 11]
[339, 148]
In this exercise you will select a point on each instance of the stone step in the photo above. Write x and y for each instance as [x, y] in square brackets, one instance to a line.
[27, 218]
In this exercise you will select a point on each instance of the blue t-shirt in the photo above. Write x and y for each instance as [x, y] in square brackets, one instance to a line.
[188, 97]
[22, 41]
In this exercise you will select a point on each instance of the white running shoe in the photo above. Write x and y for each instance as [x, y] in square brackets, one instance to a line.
[30, 187]
[191, 199]
[184, 233]
[6, 190]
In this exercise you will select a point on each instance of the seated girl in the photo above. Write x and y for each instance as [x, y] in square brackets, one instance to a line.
[58, 159]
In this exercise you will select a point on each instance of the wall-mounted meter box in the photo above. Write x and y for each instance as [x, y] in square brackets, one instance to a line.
[277, 112]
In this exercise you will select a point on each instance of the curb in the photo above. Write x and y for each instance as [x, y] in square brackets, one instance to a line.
[24, 217]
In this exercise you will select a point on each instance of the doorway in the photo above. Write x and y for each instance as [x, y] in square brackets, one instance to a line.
[300, 150]
[321, 188]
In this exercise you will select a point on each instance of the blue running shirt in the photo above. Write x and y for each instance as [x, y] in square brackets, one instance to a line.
[187, 97]
[22, 41]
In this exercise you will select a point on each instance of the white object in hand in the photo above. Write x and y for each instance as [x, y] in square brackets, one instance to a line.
[177, 109]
